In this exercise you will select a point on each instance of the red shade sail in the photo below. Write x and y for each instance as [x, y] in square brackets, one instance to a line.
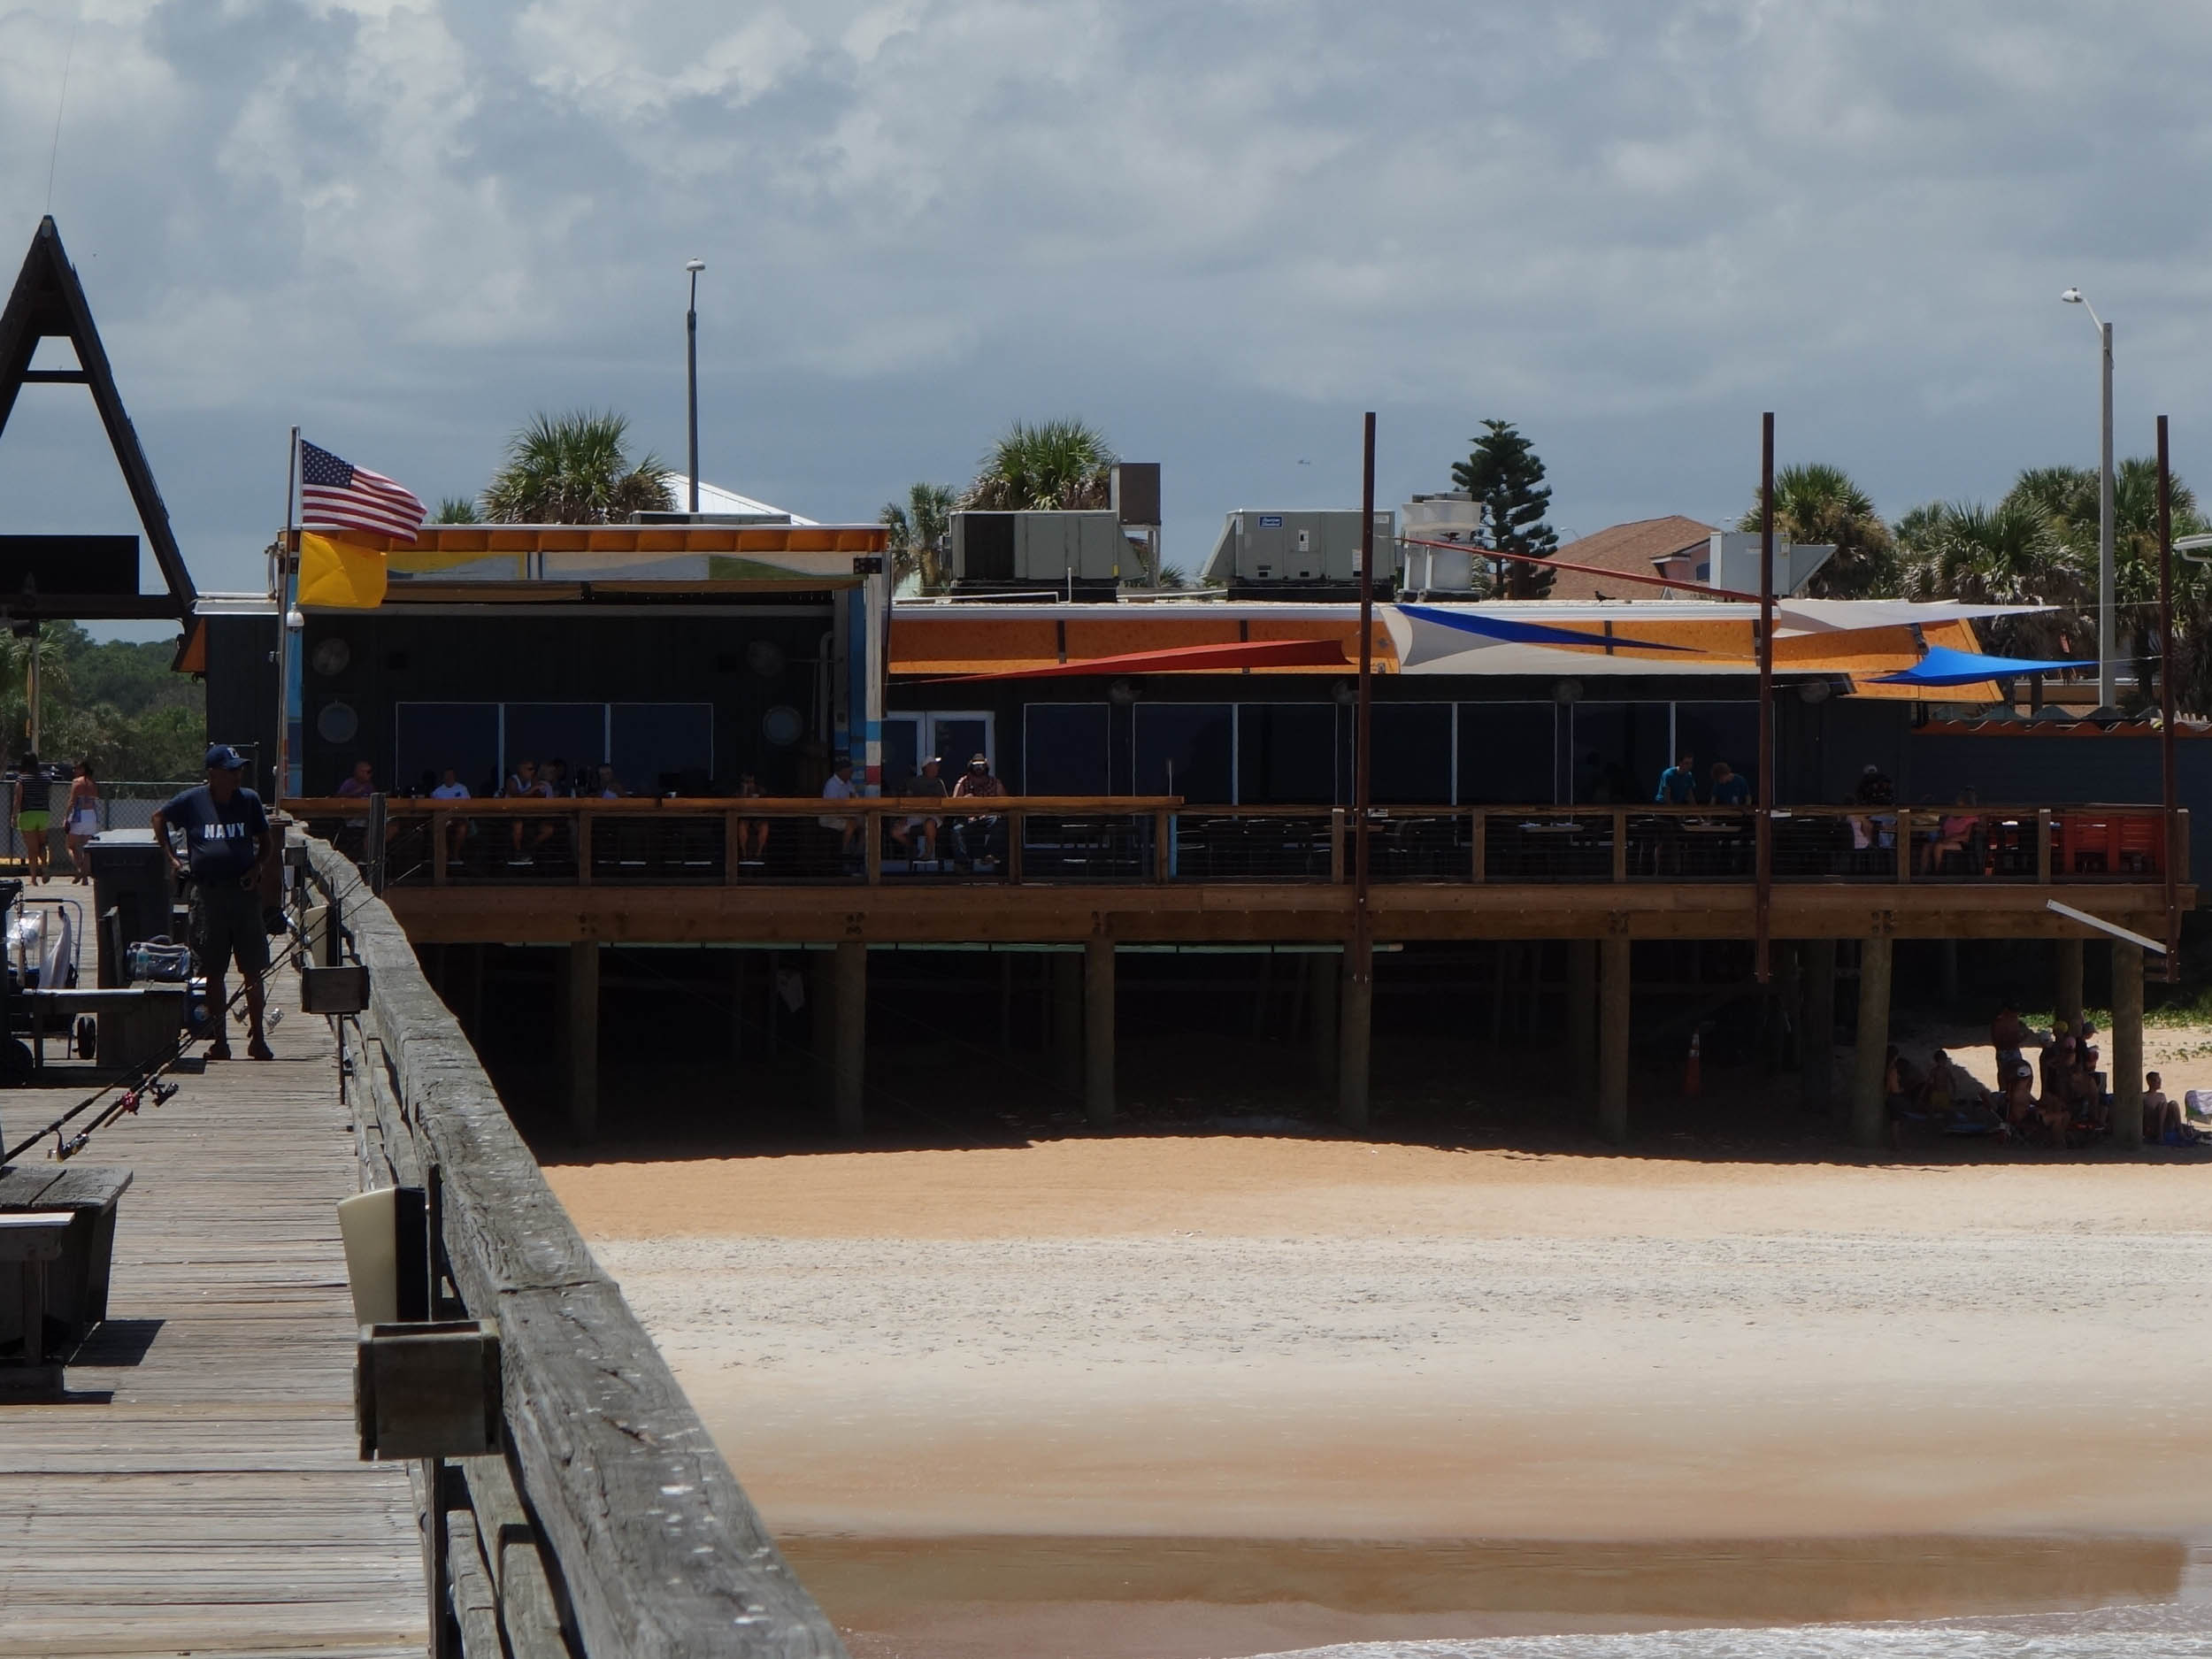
[1183, 659]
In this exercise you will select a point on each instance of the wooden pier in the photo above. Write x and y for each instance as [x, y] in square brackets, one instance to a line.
[199, 1488]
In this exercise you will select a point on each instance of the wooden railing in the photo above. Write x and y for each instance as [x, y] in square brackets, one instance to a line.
[610, 1525]
[1125, 840]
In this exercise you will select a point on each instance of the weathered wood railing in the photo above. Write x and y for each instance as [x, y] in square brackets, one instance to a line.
[1152, 840]
[612, 1525]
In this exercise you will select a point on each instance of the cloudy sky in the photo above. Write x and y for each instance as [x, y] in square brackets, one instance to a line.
[1218, 230]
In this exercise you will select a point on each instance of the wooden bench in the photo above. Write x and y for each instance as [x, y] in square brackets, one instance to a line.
[51, 1305]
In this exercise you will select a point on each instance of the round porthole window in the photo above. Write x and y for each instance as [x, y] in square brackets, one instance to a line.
[764, 658]
[781, 726]
[331, 657]
[337, 722]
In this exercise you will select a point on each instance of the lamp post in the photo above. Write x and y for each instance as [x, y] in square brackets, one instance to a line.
[2107, 599]
[691, 371]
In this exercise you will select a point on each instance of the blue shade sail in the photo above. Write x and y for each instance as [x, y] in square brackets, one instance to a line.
[1945, 666]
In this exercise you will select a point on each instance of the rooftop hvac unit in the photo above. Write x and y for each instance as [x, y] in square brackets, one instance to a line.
[1731, 560]
[1453, 516]
[1313, 554]
[1047, 554]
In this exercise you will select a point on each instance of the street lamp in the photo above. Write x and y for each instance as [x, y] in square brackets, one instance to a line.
[691, 353]
[2106, 597]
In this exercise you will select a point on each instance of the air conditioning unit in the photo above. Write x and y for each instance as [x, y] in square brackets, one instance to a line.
[1454, 517]
[1047, 555]
[1731, 560]
[1313, 553]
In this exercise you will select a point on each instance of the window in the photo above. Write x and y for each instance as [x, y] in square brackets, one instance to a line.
[1508, 754]
[1186, 749]
[1413, 754]
[1286, 754]
[575, 733]
[652, 747]
[901, 751]
[656, 748]
[1064, 749]
[1720, 731]
[428, 737]
[1620, 748]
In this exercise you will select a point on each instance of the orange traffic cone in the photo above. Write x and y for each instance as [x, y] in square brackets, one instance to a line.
[1692, 1083]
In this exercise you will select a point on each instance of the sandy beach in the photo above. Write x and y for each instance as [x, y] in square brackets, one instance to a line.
[1257, 1340]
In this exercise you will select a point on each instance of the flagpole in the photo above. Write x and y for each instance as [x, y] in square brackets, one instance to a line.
[288, 552]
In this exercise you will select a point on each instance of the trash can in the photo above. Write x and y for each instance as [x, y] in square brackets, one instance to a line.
[133, 897]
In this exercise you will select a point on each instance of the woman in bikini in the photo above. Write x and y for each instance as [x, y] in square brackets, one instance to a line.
[83, 822]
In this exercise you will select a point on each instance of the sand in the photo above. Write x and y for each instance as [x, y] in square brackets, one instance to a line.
[1254, 1340]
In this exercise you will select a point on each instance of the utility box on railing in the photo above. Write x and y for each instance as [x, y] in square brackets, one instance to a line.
[428, 1389]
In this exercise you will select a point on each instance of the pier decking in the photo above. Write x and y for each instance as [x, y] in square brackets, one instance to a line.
[199, 1489]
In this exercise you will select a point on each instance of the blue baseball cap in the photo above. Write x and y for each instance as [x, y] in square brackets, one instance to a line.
[222, 756]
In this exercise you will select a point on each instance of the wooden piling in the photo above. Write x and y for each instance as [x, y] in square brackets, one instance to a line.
[848, 1063]
[1869, 1055]
[1816, 1036]
[2127, 1044]
[2066, 995]
[583, 1040]
[1356, 1012]
[1067, 1016]
[1324, 971]
[1613, 1004]
[1098, 1031]
[1582, 1020]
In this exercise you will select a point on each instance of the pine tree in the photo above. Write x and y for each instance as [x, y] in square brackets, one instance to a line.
[1504, 474]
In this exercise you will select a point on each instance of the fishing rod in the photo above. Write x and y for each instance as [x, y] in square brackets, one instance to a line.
[145, 1084]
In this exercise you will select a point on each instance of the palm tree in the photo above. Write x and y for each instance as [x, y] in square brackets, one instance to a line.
[1062, 464]
[921, 534]
[1815, 503]
[456, 510]
[575, 469]
[2014, 553]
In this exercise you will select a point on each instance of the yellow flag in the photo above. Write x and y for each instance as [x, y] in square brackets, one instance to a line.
[341, 574]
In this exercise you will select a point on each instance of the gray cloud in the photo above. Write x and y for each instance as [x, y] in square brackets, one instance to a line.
[1221, 231]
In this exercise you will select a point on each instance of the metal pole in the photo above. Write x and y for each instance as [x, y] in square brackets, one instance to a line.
[2106, 602]
[691, 354]
[287, 549]
[1353, 1106]
[1763, 842]
[2169, 785]
[38, 748]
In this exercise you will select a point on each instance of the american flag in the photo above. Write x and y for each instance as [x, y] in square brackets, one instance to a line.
[335, 495]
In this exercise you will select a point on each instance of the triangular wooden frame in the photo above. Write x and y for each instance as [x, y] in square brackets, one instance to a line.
[49, 302]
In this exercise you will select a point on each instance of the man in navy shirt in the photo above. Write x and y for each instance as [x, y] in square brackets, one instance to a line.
[1731, 787]
[229, 849]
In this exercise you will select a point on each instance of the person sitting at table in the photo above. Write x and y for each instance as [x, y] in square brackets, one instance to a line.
[838, 786]
[987, 831]
[457, 829]
[913, 832]
[1677, 785]
[1953, 832]
[525, 784]
[752, 833]
[1870, 830]
[1730, 788]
